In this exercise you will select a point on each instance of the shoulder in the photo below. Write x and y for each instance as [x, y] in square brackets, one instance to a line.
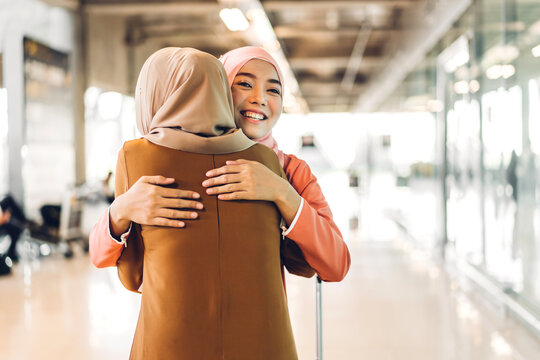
[132, 145]
[266, 156]
[265, 150]
[299, 174]
[141, 147]
[294, 165]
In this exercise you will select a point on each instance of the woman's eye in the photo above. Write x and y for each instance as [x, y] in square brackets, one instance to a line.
[275, 91]
[244, 84]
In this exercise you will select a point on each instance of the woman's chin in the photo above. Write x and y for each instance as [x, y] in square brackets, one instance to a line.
[254, 133]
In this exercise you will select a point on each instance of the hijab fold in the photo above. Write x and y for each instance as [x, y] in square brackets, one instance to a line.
[183, 101]
[233, 61]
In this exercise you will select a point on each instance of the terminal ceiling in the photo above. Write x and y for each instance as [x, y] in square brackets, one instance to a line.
[335, 49]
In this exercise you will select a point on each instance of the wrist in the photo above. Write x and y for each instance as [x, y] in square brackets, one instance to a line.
[288, 202]
[118, 222]
[282, 192]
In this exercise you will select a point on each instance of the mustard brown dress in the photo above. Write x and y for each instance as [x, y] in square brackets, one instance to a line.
[212, 290]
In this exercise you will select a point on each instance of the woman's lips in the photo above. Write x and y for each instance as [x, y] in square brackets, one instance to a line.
[253, 116]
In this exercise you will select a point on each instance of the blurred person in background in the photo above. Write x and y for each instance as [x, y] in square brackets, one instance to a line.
[107, 189]
[12, 223]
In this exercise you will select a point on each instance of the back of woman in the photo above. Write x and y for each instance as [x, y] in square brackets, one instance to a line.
[212, 290]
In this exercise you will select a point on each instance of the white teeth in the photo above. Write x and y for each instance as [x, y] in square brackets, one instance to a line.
[253, 115]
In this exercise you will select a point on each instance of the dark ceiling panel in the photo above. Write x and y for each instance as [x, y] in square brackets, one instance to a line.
[317, 36]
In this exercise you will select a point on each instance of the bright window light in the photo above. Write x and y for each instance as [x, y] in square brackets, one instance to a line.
[508, 71]
[110, 105]
[536, 51]
[461, 87]
[460, 59]
[535, 28]
[494, 72]
[501, 54]
[234, 19]
[435, 105]
[474, 86]
[500, 346]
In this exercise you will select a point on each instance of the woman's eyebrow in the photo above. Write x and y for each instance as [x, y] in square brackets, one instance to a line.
[252, 76]
[274, 81]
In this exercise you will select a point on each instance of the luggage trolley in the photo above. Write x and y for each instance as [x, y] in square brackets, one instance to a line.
[71, 221]
[60, 234]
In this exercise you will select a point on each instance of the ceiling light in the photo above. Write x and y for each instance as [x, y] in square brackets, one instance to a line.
[497, 71]
[536, 51]
[498, 54]
[508, 71]
[456, 55]
[332, 20]
[461, 87]
[460, 59]
[234, 19]
[535, 28]
[474, 86]
[494, 72]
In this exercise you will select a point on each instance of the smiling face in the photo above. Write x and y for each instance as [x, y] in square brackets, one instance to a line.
[257, 97]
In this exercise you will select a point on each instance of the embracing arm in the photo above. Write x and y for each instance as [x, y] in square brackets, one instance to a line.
[251, 180]
[310, 221]
[104, 248]
[146, 203]
[314, 230]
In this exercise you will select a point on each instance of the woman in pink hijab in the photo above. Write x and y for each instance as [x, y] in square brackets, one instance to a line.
[257, 88]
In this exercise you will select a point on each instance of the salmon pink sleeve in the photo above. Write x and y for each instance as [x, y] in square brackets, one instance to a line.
[103, 248]
[314, 229]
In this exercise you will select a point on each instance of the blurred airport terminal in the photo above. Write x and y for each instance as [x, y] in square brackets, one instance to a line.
[420, 119]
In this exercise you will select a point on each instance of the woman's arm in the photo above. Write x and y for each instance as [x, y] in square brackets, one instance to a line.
[147, 202]
[251, 180]
[311, 225]
[315, 230]
[130, 263]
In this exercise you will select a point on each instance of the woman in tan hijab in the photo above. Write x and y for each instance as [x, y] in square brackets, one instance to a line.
[212, 290]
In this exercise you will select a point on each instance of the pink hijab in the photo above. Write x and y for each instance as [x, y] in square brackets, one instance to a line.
[233, 61]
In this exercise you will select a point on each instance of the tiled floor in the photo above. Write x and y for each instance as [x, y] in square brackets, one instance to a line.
[392, 306]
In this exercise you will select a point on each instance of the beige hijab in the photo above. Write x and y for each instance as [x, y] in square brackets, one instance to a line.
[183, 101]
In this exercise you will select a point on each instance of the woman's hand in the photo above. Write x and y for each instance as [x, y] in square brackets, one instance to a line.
[251, 180]
[244, 180]
[147, 203]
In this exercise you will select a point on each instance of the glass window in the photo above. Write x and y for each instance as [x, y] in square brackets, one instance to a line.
[487, 96]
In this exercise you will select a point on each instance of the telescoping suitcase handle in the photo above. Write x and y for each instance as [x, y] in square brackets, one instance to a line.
[318, 314]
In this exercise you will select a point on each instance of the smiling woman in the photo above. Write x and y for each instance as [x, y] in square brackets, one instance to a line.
[257, 87]
[256, 91]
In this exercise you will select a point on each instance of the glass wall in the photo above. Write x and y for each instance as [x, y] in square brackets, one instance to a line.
[486, 99]
[48, 127]
[109, 120]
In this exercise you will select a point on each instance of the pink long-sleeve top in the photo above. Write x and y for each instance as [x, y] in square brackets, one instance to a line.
[313, 229]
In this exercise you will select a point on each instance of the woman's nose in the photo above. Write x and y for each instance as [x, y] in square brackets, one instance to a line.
[258, 97]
